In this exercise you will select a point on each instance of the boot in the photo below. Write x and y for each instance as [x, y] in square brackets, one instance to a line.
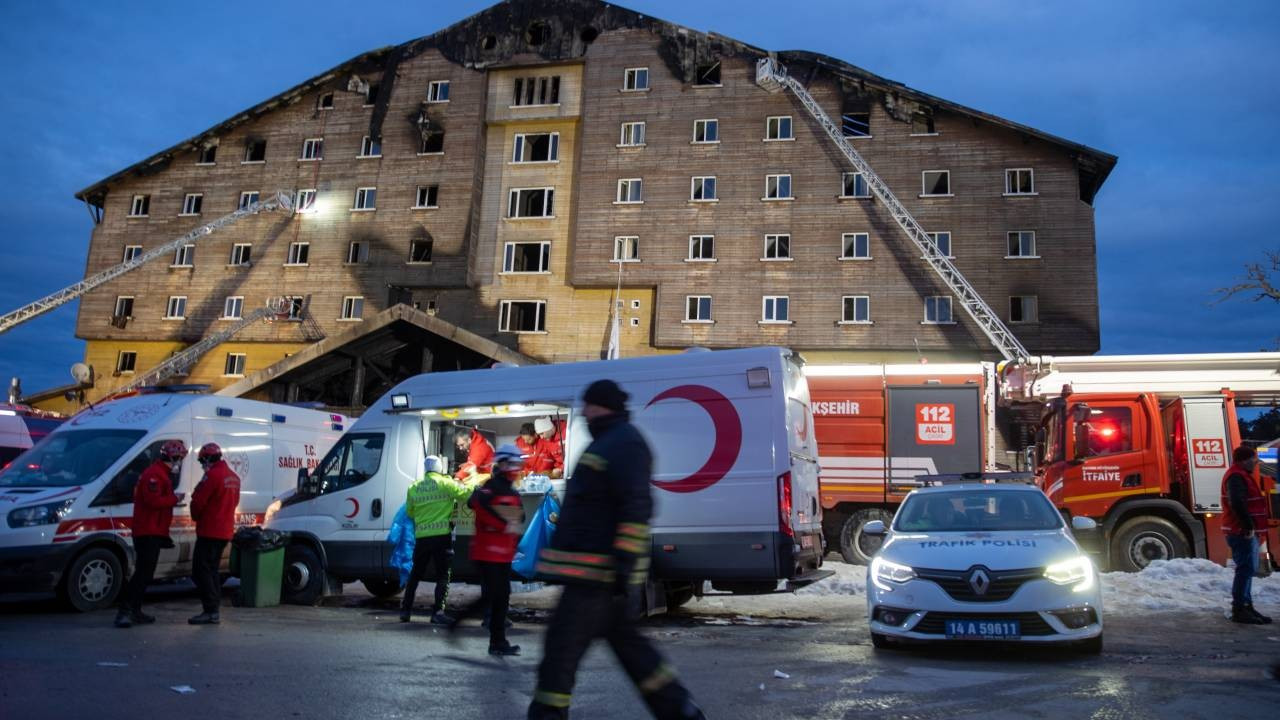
[204, 619]
[504, 650]
[439, 618]
[405, 616]
[1243, 616]
[124, 619]
[141, 618]
[1252, 611]
[538, 711]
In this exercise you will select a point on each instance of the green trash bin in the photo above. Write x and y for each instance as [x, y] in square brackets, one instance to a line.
[257, 558]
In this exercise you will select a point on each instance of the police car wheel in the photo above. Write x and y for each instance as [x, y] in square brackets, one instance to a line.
[856, 547]
[381, 588]
[94, 580]
[1141, 540]
[303, 582]
[880, 642]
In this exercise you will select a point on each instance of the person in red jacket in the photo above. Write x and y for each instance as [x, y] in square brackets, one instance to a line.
[213, 507]
[479, 454]
[499, 518]
[548, 455]
[1244, 517]
[153, 501]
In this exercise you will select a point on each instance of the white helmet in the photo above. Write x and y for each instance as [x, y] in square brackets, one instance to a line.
[508, 457]
[433, 464]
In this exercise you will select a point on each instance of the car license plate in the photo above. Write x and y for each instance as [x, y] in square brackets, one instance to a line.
[983, 629]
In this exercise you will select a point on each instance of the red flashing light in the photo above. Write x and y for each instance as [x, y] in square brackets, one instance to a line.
[784, 504]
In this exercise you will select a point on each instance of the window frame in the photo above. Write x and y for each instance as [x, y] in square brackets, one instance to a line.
[303, 251]
[433, 92]
[1009, 190]
[866, 301]
[629, 184]
[930, 128]
[539, 322]
[131, 253]
[951, 317]
[702, 240]
[235, 361]
[255, 194]
[360, 249]
[623, 134]
[185, 252]
[866, 238]
[699, 182]
[857, 178]
[689, 304]
[509, 256]
[1010, 241]
[775, 122]
[847, 118]
[325, 101]
[924, 185]
[120, 299]
[432, 193]
[933, 237]
[366, 199]
[297, 306]
[210, 152]
[140, 202]
[713, 123]
[352, 309]
[635, 73]
[536, 87]
[776, 238]
[180, 303]
[620, 242]
[367, 145]
[132, 355]
[1035, 309]
[239, 258]
[312, 150]
[777, 179]
[249, 147]
[227, 302]
[432, 136]
[309, 205]
[192, 205]
[777, 301]
[413, 243]
[520, 143]
[514, 203]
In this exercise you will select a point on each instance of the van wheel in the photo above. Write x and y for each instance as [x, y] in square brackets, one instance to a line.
[303, 576]
[1143, 539]
[381, 589]
[93, 581]
[856, 547]
[880, 642]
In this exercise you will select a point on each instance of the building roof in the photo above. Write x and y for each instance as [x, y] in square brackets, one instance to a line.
[558, 30]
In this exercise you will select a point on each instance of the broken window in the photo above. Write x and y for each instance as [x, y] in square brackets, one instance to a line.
[241, 254]
[124, 307]
[777, 187]
[420, 250]
[126, 361]
[635, 79]
[438, 91]
[131, 252]
[255, 151]
[366, 198]
[537, 91]
[1019, 181]
[531, 202]
[778, 128]
[536, 147]
[176, 308]
[357, 252]
[140, 206]
[352, 307]
[371, 95]
[184, 256]
[233, 307]
[856, 309]
[706, 131]
[370, 147]
[702, 247]
[312, 149]
[854, 185]
[1022, 309]
[526, 257]
[192, 203]
[777, 309]
[234, 366]
[427, 196]
[1022, 244]
[777, 247]
[632, 134]
[703, 188]
[630, 190]
[708, 74]
[305, 201]
[855, 124]
[855, 246]
[626, 248]
[297, 304]
[522, 316]
[432, 142]
[325, 101]
[942, 241]
[697, 308]
[247, 198]
[208, 154]
[298, 253]
[937, 310]
[935, 182]
[536, 34]
[922, 124]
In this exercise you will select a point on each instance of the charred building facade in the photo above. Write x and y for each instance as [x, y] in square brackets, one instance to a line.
[483, 192]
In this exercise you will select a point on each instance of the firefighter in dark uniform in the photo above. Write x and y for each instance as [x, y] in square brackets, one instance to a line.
[600, 552]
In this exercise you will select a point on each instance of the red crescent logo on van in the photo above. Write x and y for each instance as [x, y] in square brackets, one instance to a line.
[355, 506]
[728, 440]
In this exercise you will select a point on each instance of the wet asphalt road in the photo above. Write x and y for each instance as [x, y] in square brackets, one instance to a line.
[353, 659]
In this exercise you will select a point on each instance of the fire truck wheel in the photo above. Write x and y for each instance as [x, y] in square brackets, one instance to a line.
[856, 547]
[303, 576]
[1139, 541]
[94, 580]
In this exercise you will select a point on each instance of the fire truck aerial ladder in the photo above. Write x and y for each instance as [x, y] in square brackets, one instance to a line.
[281, 200]
[772, 76]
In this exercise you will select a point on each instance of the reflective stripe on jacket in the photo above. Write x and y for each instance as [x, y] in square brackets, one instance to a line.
[432, 502]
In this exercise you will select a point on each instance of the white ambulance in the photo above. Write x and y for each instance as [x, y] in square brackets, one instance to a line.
[735, 482]
[67, 503]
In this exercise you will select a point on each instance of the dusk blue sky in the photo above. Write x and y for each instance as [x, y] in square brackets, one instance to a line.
[1182, 92]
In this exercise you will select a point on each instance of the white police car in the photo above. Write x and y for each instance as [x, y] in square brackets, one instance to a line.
[982, 561]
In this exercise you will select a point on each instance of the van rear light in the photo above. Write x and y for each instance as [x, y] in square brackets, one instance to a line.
[784, 504]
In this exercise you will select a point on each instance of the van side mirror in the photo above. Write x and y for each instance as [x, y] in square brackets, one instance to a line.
[306, 484]
[874, 527]
[1080, 443]
[1080, 523]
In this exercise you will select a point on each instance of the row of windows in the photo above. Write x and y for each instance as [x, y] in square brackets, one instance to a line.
[299, 253]
[233, 308]
[255, 149]
[524, 316]
[426, 197]
[233, 366]
[853, 246]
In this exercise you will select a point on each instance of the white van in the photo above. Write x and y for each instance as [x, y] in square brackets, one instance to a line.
[735, 482]
[67, 503]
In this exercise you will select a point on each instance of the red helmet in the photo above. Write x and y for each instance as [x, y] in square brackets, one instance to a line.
[173, 450]
[209, 453]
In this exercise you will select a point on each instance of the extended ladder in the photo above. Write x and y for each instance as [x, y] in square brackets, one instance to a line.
[49, 302]
[771, 76]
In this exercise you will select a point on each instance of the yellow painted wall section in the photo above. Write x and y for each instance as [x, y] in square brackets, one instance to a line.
[103, 355]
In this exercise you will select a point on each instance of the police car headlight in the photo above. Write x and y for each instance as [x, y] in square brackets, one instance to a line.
[1077, 571]
[886, 571]
[47, 514]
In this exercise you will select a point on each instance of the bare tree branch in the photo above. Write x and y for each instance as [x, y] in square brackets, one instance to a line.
[1258, 279]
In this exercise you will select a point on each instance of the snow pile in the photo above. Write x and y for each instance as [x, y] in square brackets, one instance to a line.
[849, 581]
[1182, 584]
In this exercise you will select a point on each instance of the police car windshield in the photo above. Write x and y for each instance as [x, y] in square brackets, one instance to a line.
[65, 459]
[977, 509]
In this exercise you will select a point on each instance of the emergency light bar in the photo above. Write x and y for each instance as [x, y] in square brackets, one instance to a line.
[984, 478]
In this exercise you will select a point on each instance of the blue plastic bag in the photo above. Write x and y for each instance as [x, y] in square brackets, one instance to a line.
[536, 537]
[401, 536]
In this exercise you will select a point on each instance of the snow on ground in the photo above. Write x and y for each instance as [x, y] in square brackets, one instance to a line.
[1182, 584]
